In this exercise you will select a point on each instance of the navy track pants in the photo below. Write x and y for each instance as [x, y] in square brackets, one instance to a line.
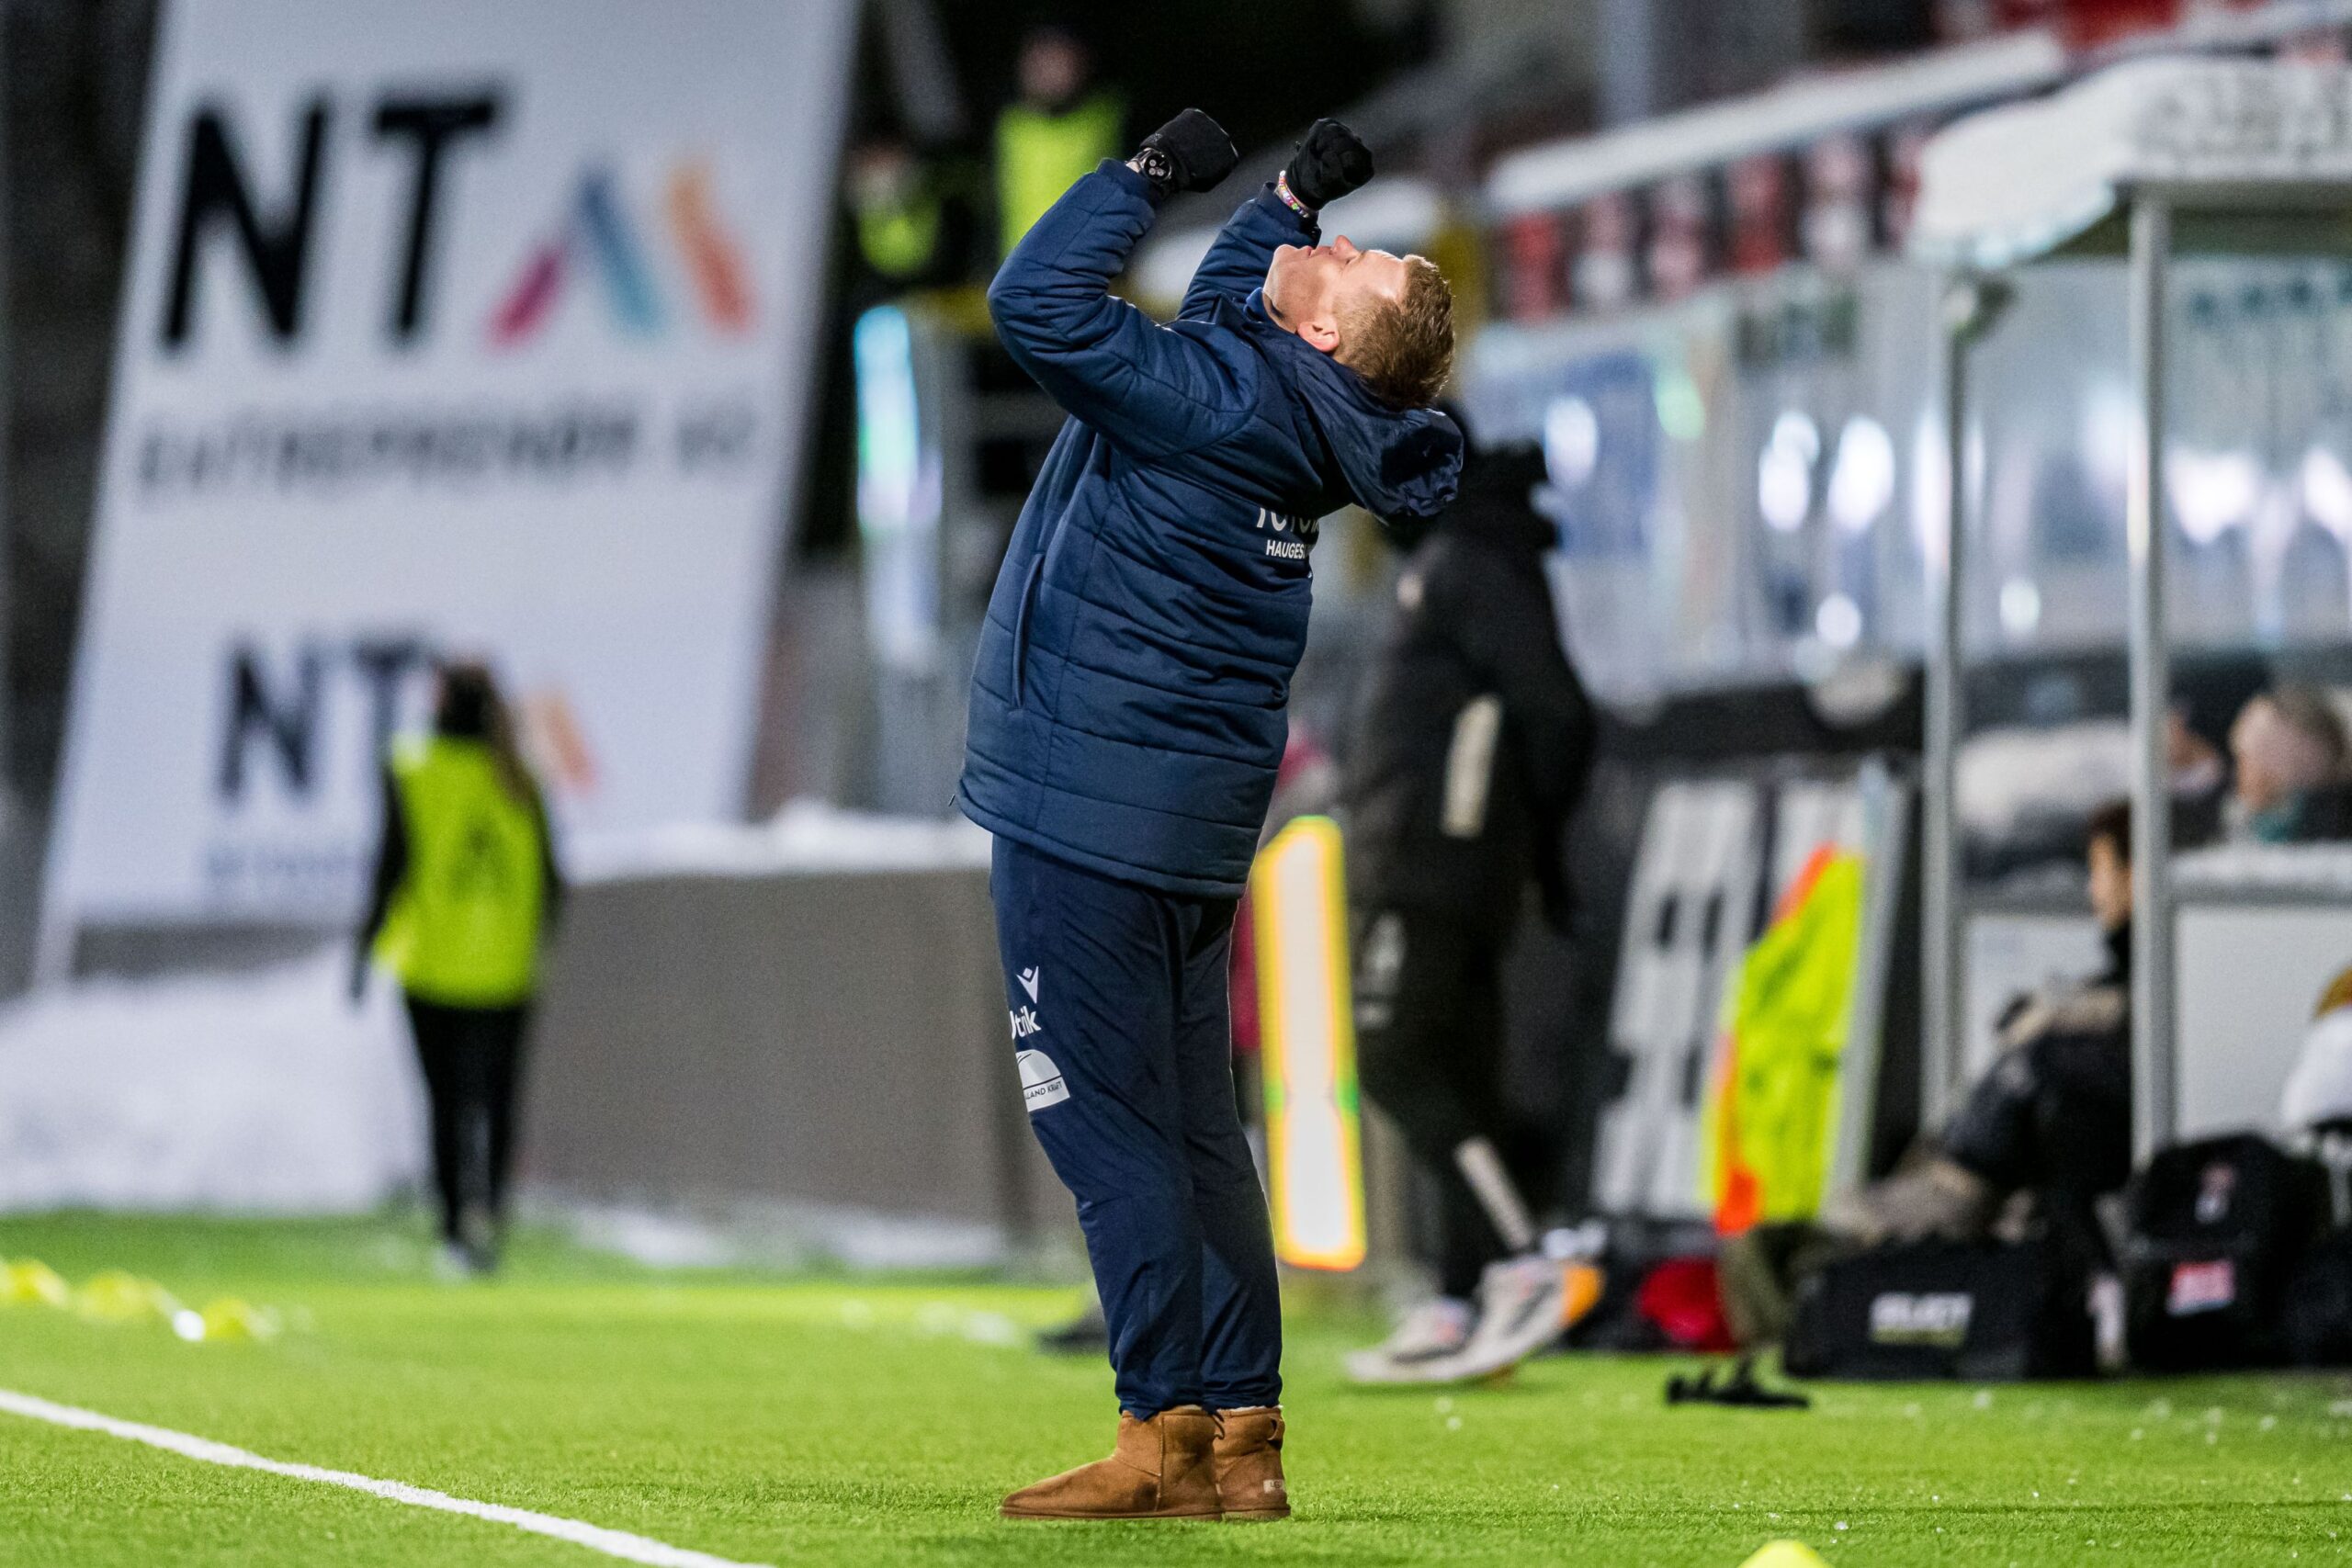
[1124, 1036]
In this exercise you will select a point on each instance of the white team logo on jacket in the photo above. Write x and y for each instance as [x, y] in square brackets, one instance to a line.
[1304, 530]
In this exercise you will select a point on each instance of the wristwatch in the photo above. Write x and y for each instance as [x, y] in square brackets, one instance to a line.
[1155, 166]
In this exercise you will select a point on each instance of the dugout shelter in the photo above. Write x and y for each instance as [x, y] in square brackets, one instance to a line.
[2163, 163]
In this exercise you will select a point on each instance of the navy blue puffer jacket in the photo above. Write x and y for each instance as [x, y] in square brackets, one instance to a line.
[1127, 711]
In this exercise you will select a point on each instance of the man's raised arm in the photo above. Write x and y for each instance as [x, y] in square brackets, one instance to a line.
[1105, 362]
[1245, 247]
[1327, 164]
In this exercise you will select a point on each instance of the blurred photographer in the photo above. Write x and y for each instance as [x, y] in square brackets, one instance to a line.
[1473, 743]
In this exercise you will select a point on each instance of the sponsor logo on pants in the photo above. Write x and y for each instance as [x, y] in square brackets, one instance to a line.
[1040, 1081]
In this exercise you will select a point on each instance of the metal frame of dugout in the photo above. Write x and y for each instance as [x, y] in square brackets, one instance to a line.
[2152, 162]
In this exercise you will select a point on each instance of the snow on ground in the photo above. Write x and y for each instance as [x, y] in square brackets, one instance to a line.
[805, 836]
[265, 1090]
[776, 1234]
[268, 1090]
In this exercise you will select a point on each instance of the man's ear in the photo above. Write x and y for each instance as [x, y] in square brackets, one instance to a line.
[1322, 332]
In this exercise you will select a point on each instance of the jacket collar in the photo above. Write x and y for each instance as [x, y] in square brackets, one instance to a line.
[1395, 464]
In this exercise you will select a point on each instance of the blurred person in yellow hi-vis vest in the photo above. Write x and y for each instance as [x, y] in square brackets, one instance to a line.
[898, 210]
[1054, 134]
[912, 213]
[464, 891]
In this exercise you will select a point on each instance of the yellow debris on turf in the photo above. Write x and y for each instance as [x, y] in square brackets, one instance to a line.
[117, 1295]
[229, 1318]
[34, 1284]
[120, 1296]
[1786, 1554]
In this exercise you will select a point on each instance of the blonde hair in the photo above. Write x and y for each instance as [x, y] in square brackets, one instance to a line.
[1403, 348]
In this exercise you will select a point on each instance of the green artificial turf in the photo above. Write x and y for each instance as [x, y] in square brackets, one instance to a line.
[836, 1421]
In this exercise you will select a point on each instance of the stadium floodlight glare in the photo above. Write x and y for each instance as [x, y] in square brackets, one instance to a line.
[2327, 491]
[2212, 491]
[2020, 607]
[1571, 441]
[1839, 622]
[1862, 485]
[898, 494]
[1682, 407]
[1784, 472]
[1314, 1141]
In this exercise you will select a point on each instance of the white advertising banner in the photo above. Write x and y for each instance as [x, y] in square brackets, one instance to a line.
[450, 327]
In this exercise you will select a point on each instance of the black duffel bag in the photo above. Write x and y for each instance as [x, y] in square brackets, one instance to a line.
[2216, 1229]
[2317, 1319]
[1988, 1311]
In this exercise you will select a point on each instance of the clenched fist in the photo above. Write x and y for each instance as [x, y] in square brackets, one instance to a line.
[1328, 164]
[1189, 152]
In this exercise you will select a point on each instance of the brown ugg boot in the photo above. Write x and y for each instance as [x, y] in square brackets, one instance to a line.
[1249, 1463]
[1160, 1469]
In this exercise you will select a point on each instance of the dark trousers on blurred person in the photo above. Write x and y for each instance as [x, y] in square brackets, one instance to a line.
[1429, 1054]
[1123, 1034]
[473, 1058]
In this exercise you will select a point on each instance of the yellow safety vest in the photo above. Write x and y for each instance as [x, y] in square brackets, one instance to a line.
[900, 238]
[464, 925]
[1039, 156]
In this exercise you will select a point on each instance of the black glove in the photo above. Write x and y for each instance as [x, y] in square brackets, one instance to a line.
[1189, 152]
[1330, 161]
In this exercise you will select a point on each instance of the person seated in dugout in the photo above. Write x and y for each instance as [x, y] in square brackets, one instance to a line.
[2291, 757]
[2043, 1135]
[2200, 784]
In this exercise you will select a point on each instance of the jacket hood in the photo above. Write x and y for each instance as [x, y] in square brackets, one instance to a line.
[1396, 464]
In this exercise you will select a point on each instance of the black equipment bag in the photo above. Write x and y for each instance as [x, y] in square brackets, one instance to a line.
[2217, 1227]
[1988, 1311]
[2318, 1316]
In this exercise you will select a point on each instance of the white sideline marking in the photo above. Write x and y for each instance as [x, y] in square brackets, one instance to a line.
[595, 1537]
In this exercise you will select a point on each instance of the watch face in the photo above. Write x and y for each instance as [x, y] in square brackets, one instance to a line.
[1154, 164]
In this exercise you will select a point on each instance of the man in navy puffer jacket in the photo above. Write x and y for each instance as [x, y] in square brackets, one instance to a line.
[1127, 718]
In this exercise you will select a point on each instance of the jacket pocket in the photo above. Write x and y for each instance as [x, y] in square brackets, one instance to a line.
[1020, 630]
